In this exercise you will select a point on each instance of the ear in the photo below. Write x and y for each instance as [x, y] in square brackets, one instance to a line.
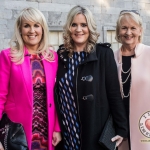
[141, 31]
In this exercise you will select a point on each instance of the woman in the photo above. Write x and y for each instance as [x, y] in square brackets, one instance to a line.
[134, 70]
[27, 76]
[87, 87]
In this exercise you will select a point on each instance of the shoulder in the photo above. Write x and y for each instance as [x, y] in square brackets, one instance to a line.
[61, 48]
[5, 52]
[62, 52]
[5, 56]
[117, 52]
[106, 45]
[145, 46]
[103, 48]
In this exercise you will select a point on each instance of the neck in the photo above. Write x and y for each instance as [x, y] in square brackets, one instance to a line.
[128, 50]
[32, 49]
[79, 48]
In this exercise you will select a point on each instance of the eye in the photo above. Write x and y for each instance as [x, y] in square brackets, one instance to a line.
[84, 25]
[73, 25]
[36, 25]
[124, 28]
[133, 28]
[26, 25]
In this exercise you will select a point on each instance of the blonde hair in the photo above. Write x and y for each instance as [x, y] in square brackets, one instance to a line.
[93, 37]
[129, 15]
[16, 43]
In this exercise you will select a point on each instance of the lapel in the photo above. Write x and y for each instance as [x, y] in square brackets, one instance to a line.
[92, 56]
[27, 74]
[139, 49]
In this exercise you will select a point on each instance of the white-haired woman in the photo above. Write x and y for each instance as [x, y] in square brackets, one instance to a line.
[27, 76]
[134, 75]
[87, 86]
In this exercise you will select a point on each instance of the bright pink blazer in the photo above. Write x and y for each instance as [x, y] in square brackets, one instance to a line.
[16, 93]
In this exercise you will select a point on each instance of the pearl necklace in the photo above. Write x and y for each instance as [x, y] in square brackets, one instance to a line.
[128, 71]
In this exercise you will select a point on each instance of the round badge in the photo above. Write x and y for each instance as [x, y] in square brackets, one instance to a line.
[144, 124]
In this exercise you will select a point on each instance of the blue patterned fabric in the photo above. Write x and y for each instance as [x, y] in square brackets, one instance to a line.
[70, 117]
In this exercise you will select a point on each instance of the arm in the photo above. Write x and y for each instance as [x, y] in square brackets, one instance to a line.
[114, 97]
[5, 65]
[56, 134]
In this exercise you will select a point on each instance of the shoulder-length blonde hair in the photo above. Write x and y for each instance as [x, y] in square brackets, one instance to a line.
[93, 37]
[17, 44]
[129, 15]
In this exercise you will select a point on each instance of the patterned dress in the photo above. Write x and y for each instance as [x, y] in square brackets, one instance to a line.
[68, 104]
[40, 121]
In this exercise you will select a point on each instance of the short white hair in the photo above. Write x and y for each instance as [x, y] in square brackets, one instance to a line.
[129, 15]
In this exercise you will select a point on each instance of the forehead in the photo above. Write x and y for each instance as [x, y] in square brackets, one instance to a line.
[79, 18]
[128, 21]
[25, 21]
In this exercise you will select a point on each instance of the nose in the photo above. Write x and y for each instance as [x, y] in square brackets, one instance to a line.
[79, 28]
[128, 31]
[32, 29]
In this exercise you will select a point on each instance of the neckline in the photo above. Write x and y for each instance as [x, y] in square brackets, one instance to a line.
[128, 56]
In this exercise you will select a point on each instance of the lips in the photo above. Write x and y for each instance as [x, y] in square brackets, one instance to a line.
[79, 35]
[31, 36]
[128, 38]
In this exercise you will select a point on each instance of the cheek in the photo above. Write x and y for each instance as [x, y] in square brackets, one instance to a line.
[121, 32]
[40, 31]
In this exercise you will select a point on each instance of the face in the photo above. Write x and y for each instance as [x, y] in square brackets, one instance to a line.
[79, 30]
[129, 32]
[31, 33]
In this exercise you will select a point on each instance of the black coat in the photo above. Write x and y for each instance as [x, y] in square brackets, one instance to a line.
[96, 98]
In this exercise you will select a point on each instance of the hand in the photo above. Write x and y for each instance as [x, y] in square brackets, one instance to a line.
[56, 138]
[1, 146]
[118, 140]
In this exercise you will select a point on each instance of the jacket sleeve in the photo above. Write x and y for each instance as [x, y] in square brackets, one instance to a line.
[57, 126]
[5, 66]
[114, 96]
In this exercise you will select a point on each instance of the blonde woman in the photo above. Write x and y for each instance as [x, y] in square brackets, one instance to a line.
[27, 77]
[134, 71]
[87, 87]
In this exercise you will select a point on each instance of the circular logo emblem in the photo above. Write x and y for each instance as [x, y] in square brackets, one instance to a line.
[144, 124]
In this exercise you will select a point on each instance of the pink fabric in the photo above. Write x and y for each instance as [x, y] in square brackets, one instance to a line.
[16, 93]
[139, 95]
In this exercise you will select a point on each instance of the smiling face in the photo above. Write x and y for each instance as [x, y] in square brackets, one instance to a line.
[79, 31]
[129, 32]
[31, 33]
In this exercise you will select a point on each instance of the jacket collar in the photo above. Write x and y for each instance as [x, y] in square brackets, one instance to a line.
[90, 57]
[138, 50]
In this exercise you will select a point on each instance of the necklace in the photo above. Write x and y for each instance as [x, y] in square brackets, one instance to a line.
[122, 91]
[126, 78]
[126, 71]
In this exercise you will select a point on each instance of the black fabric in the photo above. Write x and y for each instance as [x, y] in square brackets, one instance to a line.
[126, 64]
[105, 90]
[12, 135]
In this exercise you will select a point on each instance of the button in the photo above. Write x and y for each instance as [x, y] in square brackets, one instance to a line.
[50, 105]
